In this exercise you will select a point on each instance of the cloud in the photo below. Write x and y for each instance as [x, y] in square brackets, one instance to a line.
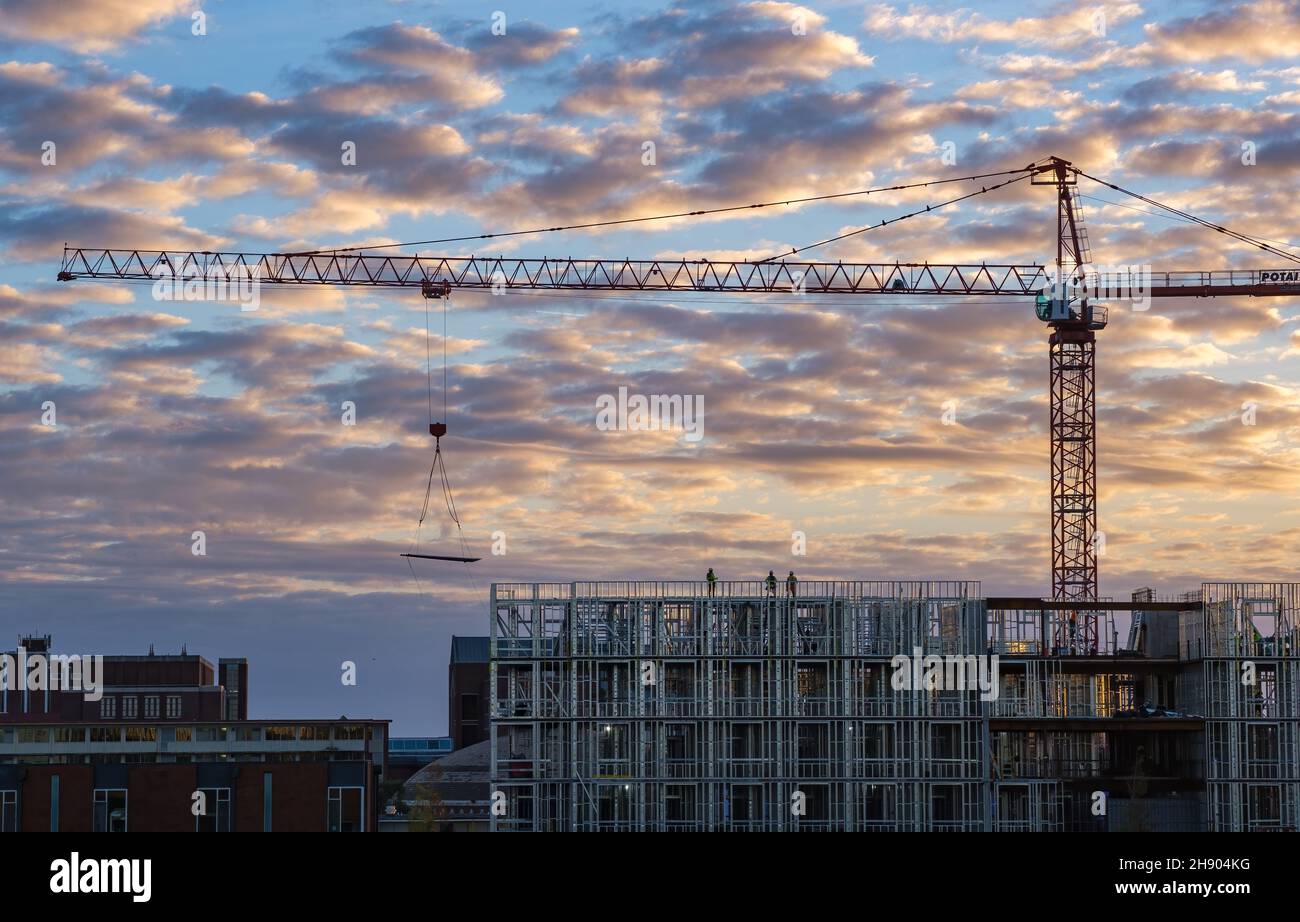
[410, 63]
[93, 117]
[523, 45]
[712, 55]
[963, 25]
[87, 26]
[1258, 32]
[1188, 82]
[39, 233]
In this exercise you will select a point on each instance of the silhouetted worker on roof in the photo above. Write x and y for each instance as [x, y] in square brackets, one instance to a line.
[712, 580]
[771, 583]
[790, 582]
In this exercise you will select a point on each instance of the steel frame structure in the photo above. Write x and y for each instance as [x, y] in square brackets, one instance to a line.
[755, 699]
[758, 697]
[1250, 635]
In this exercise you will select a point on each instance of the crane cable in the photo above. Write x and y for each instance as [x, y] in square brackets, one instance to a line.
[660, 217]
[439, 465]
[1186, 216]
[912, 214]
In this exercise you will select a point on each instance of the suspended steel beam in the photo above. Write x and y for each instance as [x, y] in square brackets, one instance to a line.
[440, 557]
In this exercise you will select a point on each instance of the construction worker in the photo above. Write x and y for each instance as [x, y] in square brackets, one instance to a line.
[771, 583]
[712, 580]
[790, 582]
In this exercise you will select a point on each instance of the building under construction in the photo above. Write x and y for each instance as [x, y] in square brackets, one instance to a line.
[678, 706]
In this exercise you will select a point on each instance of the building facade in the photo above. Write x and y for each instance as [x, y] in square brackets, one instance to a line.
[164, 745]
[673, 706]
[170, 686]
[250, 776]
[468, 697]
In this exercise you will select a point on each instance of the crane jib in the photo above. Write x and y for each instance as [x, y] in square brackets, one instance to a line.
[436, 275]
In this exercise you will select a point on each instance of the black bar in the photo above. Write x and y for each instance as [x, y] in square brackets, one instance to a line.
[437, 557]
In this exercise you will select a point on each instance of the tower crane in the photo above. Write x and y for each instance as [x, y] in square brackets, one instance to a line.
[1061, 295]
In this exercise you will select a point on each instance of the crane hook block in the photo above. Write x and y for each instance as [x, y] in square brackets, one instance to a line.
[431, 289]
[437, 430]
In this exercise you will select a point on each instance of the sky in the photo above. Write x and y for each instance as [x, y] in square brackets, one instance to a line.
[903, 437]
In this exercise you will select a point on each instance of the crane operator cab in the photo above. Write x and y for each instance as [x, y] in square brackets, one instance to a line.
[1062, 305]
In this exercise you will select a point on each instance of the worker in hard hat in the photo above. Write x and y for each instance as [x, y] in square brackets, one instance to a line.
[790, 582]
[771, 583]
[712, 579]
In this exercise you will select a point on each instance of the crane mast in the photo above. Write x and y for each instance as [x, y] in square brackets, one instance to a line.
[1072, 364]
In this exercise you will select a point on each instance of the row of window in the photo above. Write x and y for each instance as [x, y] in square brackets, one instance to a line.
[344, 808]
[216, 734]
[108, 706]
[154, 758]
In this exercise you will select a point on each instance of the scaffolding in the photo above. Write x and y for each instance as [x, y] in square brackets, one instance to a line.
[684, 706]
[678, 706]
[1248, 637]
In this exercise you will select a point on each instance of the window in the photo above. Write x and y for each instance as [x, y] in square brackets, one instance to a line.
[69, 735]
[8, 811]
[349, 732]
[946, 803]
[216, 804]
[344, 809]
[679, 803]
[108, 706]
[746, 741]
[210, 735]
[151, 707]
[105, 734]
[945, 741]
[746, 803]
[1264, 806]
[469, 709]
[141, 734]
[130, 707]
[232, 691]
[282, 734]
[110, 810]
[613, 745]
[33, 735]
[173, 706]
[184, 734]
[614, 803]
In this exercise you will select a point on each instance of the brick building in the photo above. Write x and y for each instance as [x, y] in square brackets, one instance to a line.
[168, 747]
[468, 695]
[183, 686]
